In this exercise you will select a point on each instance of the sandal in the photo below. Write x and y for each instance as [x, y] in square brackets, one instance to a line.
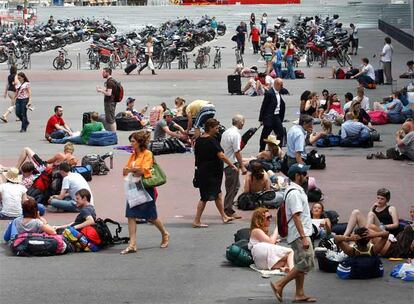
[165, 240]
[200, 225]
[228, 220]
[128, 250]
[3, 119]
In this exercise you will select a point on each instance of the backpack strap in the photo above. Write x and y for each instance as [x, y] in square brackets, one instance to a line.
[290, 190]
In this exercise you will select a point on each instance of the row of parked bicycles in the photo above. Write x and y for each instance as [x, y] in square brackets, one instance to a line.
[173, 40]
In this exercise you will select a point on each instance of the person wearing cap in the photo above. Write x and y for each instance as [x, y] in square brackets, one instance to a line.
[130, 111]
[268, 50]
[162, 128]
[299, 232]
[296, 140]
[85, 134]
[12, 195]
[255, 37]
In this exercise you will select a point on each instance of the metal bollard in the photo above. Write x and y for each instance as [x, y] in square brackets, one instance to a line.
[78, 61]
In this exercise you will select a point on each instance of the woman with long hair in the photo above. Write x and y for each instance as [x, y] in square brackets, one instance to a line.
[257, 180]
[23, 98]
[321, 225]
[10, 91]
[266, 254]
[140, 164]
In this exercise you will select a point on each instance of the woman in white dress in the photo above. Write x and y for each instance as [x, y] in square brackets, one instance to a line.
[266, 254]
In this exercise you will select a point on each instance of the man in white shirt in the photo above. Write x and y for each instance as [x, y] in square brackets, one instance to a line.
[366, 76]
[365, 103]
[230, 142]
[72, 183]
[386, 59]
[12, 194]
[299, 232]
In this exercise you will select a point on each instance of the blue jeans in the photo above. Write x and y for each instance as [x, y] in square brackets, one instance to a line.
[64, 140]
[21, 112]
[263, 30]
[67, 204]
[58, 134]
[364, 135]
[277, 67]
[365, 80]
[290, 68]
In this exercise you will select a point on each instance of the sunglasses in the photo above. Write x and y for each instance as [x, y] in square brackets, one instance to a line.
[304, 173]
[269, 217]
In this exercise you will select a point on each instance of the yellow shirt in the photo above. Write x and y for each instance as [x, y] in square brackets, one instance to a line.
[194, 108]
[143, 161]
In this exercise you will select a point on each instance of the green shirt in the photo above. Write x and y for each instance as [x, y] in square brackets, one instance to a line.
[89, 128]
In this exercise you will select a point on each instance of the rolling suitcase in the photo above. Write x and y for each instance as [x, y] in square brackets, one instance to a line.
[130, 68]
[379, 76]
[234, 84]
[247, 135]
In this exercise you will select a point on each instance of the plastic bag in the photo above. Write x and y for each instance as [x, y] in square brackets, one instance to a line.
[151, 64]
[135, 192]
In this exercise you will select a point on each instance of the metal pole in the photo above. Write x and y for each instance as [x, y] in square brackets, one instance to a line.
[79, 61]
[412, 14]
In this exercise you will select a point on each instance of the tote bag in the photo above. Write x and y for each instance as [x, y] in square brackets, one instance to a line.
[135, 192]
[157, 178]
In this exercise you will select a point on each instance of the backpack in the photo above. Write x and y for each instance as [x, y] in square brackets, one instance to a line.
[315, 195]
[242, 234]
[378, 117]
[282, 222]
[340, 74]
[332, 215]
[107, 239]
[315, 161]
[239, 255]
[98, 165]
[85, 171]
[360, 268]
[247, 201]
[39, 244]
[119, 91]
[328, 141]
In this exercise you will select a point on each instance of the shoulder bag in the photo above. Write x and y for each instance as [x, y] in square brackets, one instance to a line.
[157, 178]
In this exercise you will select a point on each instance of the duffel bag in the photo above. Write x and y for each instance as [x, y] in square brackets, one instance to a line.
[103, 138]
[247, 201]
[315, 160]
[39, 244]
[97, 164]
[127, 123]
[378, 117]
[328, 141]
[238, 255]
[160, 146]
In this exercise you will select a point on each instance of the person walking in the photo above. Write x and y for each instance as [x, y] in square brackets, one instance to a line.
[252, 20]
[10, 91]
[386, 59]
[263, 23]
[241, 32]
[230, 142]
[109, 97]
[354, 39]
[214, 25]
[268, 50]
[209, 157]
[139, 164]
[23, 97]
[299, 231]
[255, 37]
[149, 50]
[272, 113]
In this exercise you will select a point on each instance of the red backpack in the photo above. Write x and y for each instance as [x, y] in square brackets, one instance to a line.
[282, 221]
[340, 74]
[119, 91]
[378, 117]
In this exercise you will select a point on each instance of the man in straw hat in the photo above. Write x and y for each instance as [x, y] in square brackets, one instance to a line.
[12, 194]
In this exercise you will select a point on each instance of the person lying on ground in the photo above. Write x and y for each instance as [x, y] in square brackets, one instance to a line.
[71, 184]
[320, 223]
[162, 128]
[28, 175]
[30, 221]
[267, 255]
[382, 214]
[53, 162]
[353, 129]
[85, 134]
[56, 127]
[245, 72]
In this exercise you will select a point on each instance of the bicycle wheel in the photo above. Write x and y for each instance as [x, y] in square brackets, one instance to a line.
[56, 63]
[206, 60]
[340, 59]
[68, 64]
[348, 59]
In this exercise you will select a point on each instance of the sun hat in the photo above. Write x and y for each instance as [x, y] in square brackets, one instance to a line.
[271, 139]
[12, 175]
[298, 168]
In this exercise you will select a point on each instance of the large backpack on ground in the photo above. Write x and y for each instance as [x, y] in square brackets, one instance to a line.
[328, 141]
[315, 160]
[127, 123]
[340, 74]
[85, 171]
[350, 73]
[360, 268]
[130, 68]
[234, 84]
[239, 255]
[167, 146]
[103, 138]
[105, 234]
[182, 121]
[299, 74]
[247, 201]
[39, 244]
[325, 264]
[242, 234]
[86, 118]
[356, 142]
[379, 76]
[378, 117]
[97, 164]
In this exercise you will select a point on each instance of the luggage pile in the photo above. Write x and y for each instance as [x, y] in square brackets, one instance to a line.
[167, 146]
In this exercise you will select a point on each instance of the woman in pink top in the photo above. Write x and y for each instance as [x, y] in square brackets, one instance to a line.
[23, 100]
[335, 104]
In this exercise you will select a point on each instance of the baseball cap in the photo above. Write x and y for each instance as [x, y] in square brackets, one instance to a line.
[169, 112]
[130, 99]
[298, 168]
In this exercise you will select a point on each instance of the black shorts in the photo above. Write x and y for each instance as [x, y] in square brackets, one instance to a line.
[354, 43]
[38, 161]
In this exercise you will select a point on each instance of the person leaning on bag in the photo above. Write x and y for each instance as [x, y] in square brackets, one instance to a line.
[140, 164]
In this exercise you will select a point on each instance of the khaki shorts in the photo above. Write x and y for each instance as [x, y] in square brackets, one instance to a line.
[304, 259]
[110, 112]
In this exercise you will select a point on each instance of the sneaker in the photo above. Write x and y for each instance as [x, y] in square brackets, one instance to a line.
[50, 208]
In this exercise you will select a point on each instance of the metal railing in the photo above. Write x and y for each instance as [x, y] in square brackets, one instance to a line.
[401, 36]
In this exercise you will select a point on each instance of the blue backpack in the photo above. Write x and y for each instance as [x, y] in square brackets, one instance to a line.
[360, 268]
[328, 141]
[103, 138]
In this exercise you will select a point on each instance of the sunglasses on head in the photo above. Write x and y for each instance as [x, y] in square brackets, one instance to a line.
[269, 217]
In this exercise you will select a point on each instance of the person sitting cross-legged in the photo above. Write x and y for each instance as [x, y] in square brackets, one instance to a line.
[56, 127]
[162, 128]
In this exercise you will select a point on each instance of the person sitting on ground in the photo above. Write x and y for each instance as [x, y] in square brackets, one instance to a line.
[348, 100]
[56, 127]
[382, 214]
[267, 255]
[312, 138]
[353, 129]
[296, 140]
[257, 86]
[303, 99]
[162, 128]
[53, 162]
[365, 102]
[131, 112]
[312, 106]
[257, 180]
[71, 184]
[321, 225]
[245, 72]
[404, 148]
[85, 134]
[366, 76]
[334, 111]
[359, 113]
[12, 194]
[28, 175]
[323, 102]
[156, 113]
[29, 222]
[408, 125]
[201, 111]
[179, 107]
[410, 70]
[393, 108]
[272, 154]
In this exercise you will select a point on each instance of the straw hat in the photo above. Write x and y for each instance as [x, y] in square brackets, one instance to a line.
[272, 139]
[12, 175]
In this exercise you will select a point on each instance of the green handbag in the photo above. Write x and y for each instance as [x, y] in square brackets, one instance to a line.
[157, 178]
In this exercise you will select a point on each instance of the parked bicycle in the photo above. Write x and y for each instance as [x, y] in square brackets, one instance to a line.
[203, 58]
[114, 60]
[23, 63]
[239, 56]
[61, 62]
[94, 62]
[183, 58]
[217, 56]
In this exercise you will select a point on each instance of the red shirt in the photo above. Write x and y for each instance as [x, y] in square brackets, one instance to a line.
[255, 34]
[53, 120]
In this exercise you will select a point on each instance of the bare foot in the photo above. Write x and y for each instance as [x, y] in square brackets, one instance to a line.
[277, 292]
[304, 299]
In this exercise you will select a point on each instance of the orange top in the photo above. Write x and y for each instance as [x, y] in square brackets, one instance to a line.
[143, 161]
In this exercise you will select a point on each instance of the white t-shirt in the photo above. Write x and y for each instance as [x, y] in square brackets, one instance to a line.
[269, 81]
[277, 110]
[369, 71]
[11, 199]
[355, 33]
[230, 142]
[364, 103]
[73, 183]
[387, 50]
[297, 201]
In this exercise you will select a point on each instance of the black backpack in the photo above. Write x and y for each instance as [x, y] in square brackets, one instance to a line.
[242, 234]
[105, 234]
[315, 160]
[247, 201]
[98, 165]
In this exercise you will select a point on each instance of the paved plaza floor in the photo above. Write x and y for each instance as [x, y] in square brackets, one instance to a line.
[193, 269]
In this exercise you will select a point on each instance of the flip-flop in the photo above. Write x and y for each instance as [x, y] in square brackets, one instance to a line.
[276, 293]
[200, 226]
[305, 300]
[3, 119]
[228, 220]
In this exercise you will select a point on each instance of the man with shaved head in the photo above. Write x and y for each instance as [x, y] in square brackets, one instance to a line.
[272, 113]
